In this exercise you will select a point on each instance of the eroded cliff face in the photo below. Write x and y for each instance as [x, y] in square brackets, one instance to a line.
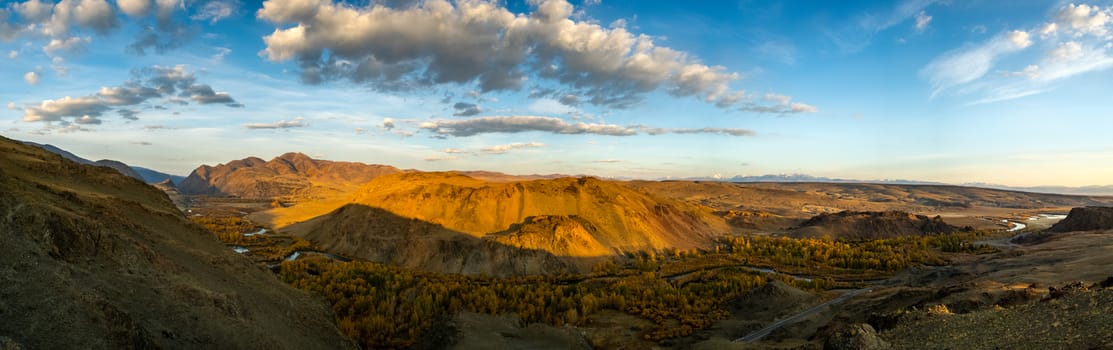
[620, 218]
[542, 226]
[1086, 219]
[96, 260]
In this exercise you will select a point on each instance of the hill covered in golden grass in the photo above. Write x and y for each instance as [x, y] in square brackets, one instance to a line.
[570, 218]
[93, 260]
[291, 176]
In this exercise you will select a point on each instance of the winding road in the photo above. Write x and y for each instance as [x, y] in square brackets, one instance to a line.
[761, 333]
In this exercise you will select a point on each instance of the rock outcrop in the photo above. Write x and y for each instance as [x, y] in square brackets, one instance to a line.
[1086, 219]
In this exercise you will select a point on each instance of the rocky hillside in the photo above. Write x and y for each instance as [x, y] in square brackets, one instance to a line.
[576, 219]
[118, 165]
[377, 235]
[870, 225]
[291, 176]
[1086, 219]
[96, 260]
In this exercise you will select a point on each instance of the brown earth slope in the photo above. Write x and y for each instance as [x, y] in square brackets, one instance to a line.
[96, 260]
[1086, 219]
[856, 225]
[577, 218]
[291, 176]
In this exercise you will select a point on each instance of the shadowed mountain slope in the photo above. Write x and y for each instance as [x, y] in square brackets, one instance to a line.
[870, 225]
[96, 260]
[292, 176]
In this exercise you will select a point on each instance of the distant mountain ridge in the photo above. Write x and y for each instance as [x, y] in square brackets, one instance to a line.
[1096, 190]
[147, 175]
[289, 176]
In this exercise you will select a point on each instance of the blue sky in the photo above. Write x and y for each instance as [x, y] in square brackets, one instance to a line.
[1013, 93]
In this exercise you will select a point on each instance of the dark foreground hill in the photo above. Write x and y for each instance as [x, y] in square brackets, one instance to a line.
[95, 260]
[1086, 219]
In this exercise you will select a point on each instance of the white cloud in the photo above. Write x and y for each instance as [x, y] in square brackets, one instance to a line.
[452, 150]
[922, 21]
[1066, 51]
[438, 158]
[967, 64]
[439, 43]
[1020, 39]
[31, 78]
[500, 149]
[388, 123]
[167, 83]
[214, 11]
[13, 54]
[54, 110]
[134, 8]
[1048, 30]
[1076, 40]
[1085, 19]
[781, 104]
[12, 106]
[298, 122]
[66, 46]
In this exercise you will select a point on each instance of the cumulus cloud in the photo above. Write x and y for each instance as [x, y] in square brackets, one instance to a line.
[55, 110]
[298, 122]
[922, 21]
[388, 123]
[166, 84]
[134, 8]
[12, 106]
[1085, 19]
[465, 109]
[437, 42]
[500, 149]
[31, 78]
[13, 54]
[67, 45]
